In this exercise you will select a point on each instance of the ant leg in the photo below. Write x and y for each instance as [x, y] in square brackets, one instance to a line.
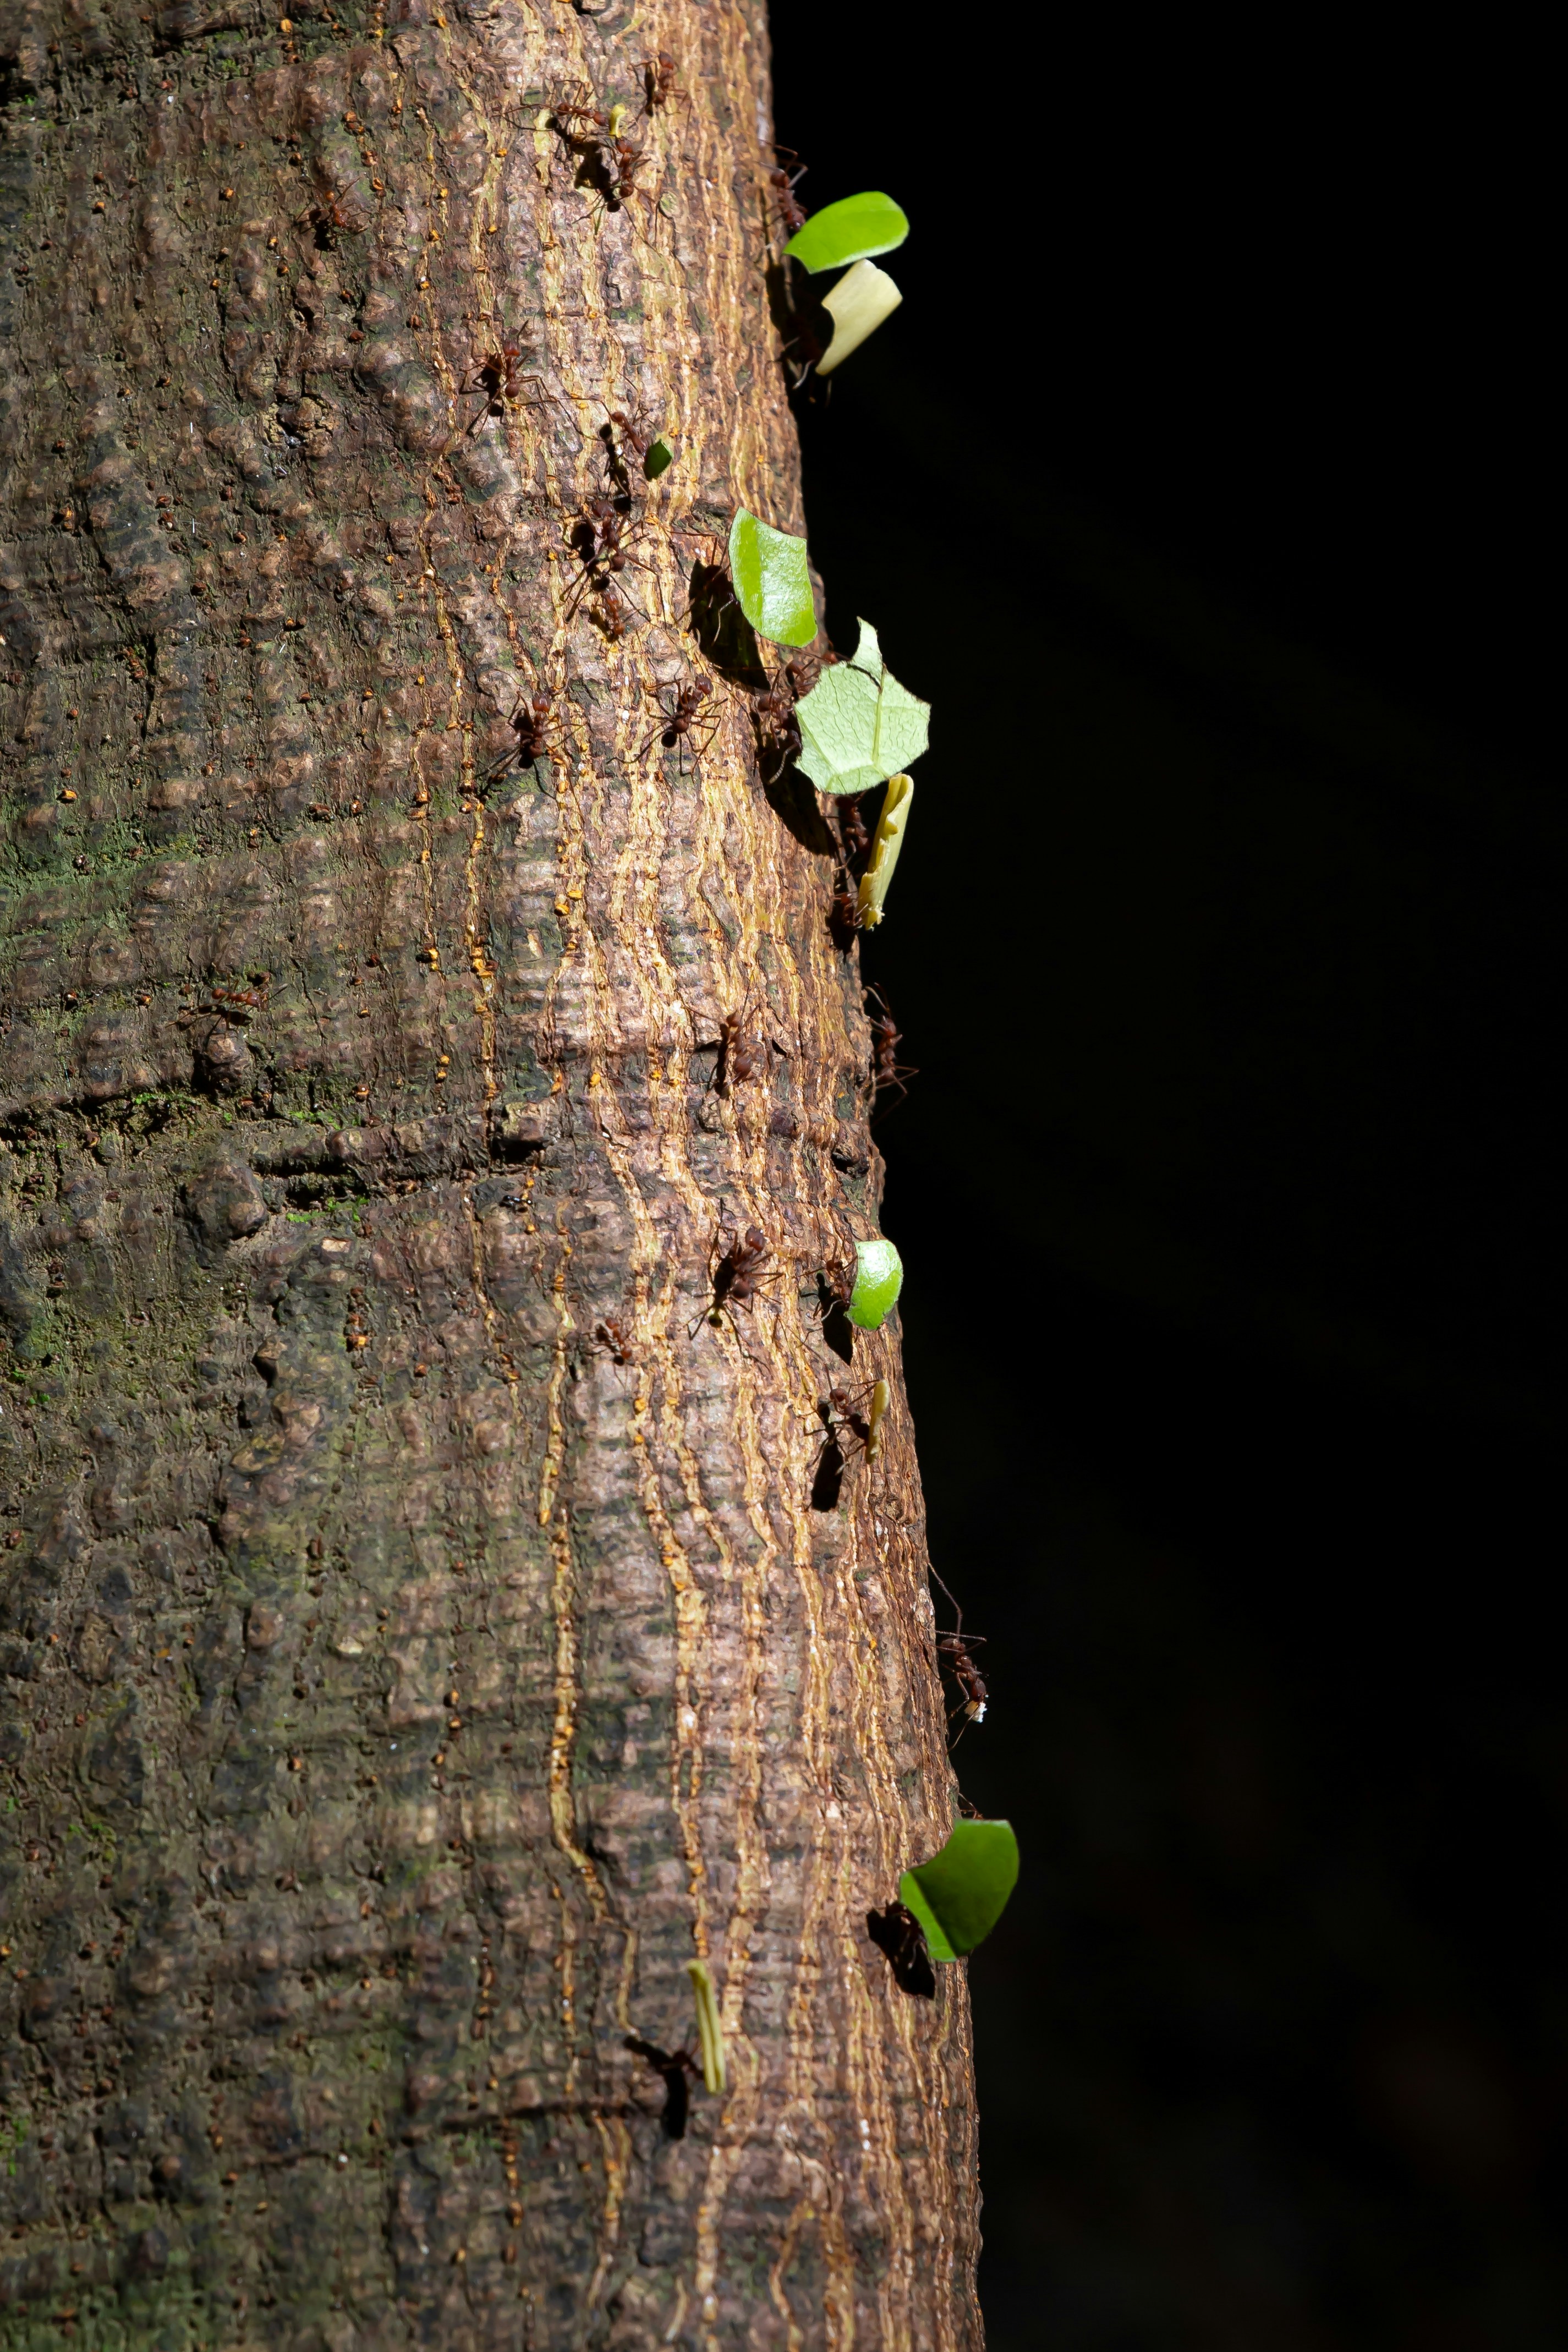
[956, 1610]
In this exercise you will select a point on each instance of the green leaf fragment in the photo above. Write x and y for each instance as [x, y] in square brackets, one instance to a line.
[659, 455]
[773, 583]
[859, 726]
[848, 231]
[878, 1278]
[961, 1893]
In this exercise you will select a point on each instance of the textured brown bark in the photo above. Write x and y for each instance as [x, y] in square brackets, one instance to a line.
[399, 1689]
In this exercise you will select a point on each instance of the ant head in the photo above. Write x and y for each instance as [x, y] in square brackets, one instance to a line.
[702, 682]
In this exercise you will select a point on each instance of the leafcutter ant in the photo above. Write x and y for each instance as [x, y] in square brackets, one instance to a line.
[900, 1936]
[848, 1420]
[864, 1427]
[853, 831]
[675, 2065]
[735, 1268]
[954, 1651]
[328, 220]
[575, 115]
[844, 911]
[887, 1070]
[599, 543]
[615, 1339]
[529, 722]
[622, 163]
[740, 1056]
[782, 185]
[678, 725]
[620, 433]
[608, 614]
[660, 87]
[498, 374]
[778, 728]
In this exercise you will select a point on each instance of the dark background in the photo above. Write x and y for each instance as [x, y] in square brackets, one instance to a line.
[1201, 484]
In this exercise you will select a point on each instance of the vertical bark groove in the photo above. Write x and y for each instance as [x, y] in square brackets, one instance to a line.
[402, 1681]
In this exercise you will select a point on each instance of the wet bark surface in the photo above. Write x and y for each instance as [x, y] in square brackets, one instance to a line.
[419, 1635]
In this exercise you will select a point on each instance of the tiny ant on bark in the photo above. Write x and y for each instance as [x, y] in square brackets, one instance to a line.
[691, 703]
[675, 2065]
[900, 1934]
[954, 1651]
[736, 1270]
[887, 1070]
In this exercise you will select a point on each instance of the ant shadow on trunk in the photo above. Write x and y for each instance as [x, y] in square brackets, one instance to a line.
[727, 639]
[805, 324]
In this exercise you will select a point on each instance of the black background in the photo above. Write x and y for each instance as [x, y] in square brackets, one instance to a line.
[1202, 485]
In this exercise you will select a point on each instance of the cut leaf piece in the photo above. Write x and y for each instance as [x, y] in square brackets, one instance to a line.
[878, 1278]
[857, 305]
[773, 584]
[859, 726]
[885, 844]
[659, 455]
[848, 231]
[710, 2027]
[961, 1893]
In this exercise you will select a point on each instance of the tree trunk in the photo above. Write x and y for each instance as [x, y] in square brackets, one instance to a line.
[426, 1627]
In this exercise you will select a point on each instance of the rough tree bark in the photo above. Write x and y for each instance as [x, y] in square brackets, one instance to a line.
[407, 1672]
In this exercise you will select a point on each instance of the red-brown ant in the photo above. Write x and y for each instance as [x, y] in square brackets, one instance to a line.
[576, 117]
[675, 2065]
[778, 728]
[844, 911]
[887, 1070]
[622, 163]
[598, 541]
[782, 184]
[328, 220]
[954, 1651]
[636, 433]
[612, 1338]
[853, 831]
[848, 1420]
[864, 1428]
[678, 725]
[528, 722]
[740, 1057]
[736, 1270]
[498, 374]
[609, 614]
[660, 87]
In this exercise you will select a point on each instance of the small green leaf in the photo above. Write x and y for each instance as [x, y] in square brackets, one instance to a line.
[773, 584]
[961, 1893]
[659, 455]
[849, 230]
[878, 1278]
[859, 726]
